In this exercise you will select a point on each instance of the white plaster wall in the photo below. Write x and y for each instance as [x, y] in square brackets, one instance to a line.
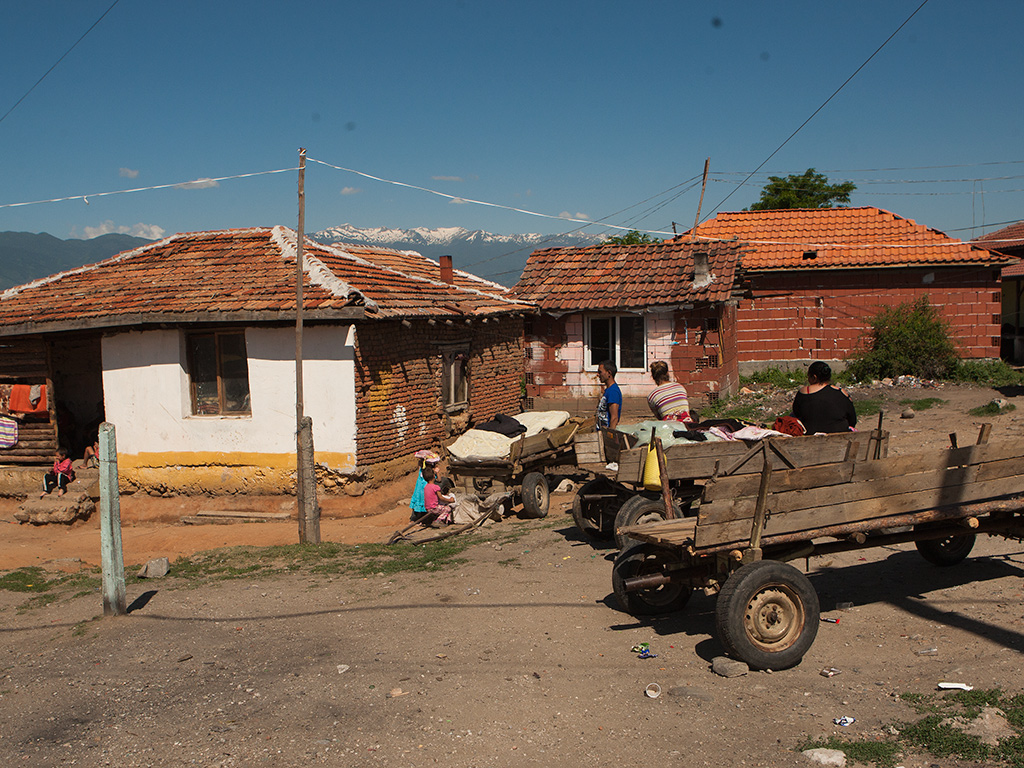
[146, 394]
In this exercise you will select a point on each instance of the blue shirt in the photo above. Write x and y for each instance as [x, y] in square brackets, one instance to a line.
[611, 395]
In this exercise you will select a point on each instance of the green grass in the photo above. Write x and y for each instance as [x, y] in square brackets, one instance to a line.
[924, 403]
[43, 588]
[992, 373]
[777, 377]
[931, 735]
[868, 407]
[991, 409]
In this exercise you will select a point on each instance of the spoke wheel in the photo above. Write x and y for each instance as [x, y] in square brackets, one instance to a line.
[595, 517]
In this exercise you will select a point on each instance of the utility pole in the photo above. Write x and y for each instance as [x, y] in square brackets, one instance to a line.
[305, 475]
[703, 186]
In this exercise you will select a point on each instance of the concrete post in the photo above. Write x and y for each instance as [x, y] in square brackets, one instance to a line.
[114, 601]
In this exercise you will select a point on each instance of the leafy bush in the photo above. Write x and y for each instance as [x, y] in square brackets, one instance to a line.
[908, 339]
[993, 373]
[777, 377]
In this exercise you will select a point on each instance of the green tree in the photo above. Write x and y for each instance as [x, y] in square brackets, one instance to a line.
[633, 237]
[806, 190]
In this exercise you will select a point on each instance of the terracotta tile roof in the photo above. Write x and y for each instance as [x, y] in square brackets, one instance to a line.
[839, 238]
[418, 265]
[1007, 237]
[234, 275]
[625, 276]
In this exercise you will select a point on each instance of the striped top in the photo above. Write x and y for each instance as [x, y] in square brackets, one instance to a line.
[669, 401]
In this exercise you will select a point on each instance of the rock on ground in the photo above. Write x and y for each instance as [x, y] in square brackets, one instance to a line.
[56, 509]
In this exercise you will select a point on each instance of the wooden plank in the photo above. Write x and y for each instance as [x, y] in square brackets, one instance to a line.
[669, 532]
[810, 520]
[242, 513]
[738, 486]
[944, 483]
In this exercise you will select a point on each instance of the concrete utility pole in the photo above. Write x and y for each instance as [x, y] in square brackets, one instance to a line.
[111, 553]
[305, 479]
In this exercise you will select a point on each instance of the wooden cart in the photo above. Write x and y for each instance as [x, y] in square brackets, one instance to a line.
[523, 470]
[616, 497]
[749, 525]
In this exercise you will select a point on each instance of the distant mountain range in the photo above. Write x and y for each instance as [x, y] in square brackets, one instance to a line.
[25, 256]
[500, 258]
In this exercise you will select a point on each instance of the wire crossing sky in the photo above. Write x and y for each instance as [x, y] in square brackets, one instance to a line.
[552, 119]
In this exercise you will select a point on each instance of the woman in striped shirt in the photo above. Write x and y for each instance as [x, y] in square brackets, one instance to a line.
[668, 401]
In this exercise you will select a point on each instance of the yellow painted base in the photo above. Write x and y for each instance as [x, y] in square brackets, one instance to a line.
[217, 473]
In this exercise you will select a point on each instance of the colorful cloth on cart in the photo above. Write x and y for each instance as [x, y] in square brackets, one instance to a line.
[8, 432]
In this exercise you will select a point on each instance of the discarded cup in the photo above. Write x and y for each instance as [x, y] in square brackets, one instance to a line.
[845, 720]
[652, 691]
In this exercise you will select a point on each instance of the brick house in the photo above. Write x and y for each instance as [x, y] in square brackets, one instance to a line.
[633, 304]
[1010, 242]
[187, 346]
[816, 276]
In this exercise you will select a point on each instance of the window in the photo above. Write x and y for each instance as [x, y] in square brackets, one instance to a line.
[455, 379]
[620, 338]
[218, 373]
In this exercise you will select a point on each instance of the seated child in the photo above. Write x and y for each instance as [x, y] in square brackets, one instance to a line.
[418, 503]
[61, 475]
[440, 505]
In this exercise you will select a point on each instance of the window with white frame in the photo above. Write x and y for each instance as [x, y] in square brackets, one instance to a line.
[619, 338]
[455, 378]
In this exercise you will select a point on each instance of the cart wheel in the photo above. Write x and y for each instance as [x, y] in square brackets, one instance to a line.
[767, 615]
[945, 552]
[639, 510]
[535, 495]
[642, 558]
[595, 518]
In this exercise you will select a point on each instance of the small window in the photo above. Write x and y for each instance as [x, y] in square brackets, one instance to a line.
[218, 373]
[621, 339]
[455, 384]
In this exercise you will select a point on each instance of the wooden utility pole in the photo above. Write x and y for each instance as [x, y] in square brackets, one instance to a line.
[305, 475]
[111, 554]
[703, 186]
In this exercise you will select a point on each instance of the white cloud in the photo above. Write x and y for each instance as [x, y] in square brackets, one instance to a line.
[446, 178]
[351, 190]
[128, 173]
[578, 215]
[198, 184]
[148, 231]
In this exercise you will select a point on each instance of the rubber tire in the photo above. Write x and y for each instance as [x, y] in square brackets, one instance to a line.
[767, 615]
[641, 558]
[593, 520]
[948, 551]
[639, 509]
[536, 496]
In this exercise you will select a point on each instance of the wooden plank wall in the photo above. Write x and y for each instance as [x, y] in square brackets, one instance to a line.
[25, 361]
[815, 497]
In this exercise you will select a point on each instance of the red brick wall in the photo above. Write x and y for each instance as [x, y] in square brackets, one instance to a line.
[701, 354]
[399, 377]
[821, 315]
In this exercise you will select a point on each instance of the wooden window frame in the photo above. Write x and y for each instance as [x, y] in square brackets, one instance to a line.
[222, 410]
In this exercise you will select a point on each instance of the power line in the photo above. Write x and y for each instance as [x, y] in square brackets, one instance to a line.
[69, 50]
[823, 105]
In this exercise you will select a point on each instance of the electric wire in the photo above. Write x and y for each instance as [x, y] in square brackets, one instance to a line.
[69, 50]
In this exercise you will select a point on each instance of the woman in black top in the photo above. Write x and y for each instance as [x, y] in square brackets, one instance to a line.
[822, 407]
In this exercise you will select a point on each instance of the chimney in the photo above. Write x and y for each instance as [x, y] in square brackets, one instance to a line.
[701, 273]
[446, 270]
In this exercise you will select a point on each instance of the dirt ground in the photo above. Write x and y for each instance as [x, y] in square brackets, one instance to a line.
[517, 657]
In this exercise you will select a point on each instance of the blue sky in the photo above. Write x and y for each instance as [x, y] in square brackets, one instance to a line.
[563, 108]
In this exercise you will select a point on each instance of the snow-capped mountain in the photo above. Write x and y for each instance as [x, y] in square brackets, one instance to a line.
[496, 257]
